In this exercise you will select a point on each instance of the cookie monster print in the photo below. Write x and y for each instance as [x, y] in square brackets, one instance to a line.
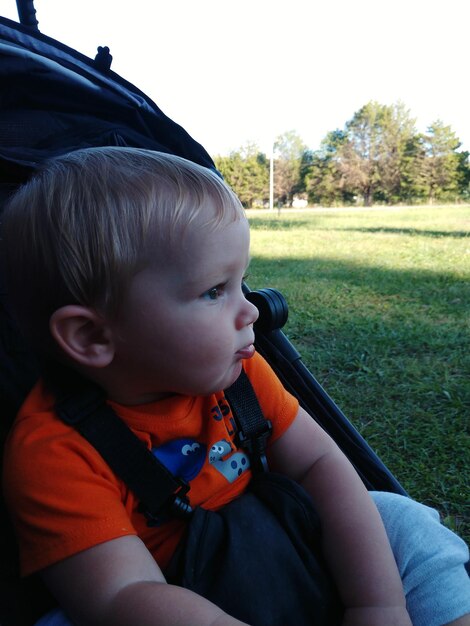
[232, 466]
[182, 457]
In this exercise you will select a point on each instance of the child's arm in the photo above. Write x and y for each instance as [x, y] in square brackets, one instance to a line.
[118, 583]
[354, 539]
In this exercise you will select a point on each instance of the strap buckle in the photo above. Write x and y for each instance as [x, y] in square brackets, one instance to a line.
[256, 445]
[177, 506]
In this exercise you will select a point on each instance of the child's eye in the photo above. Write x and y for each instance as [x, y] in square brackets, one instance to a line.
[214, 293]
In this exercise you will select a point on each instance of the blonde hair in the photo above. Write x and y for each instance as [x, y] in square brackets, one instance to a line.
[79, 230]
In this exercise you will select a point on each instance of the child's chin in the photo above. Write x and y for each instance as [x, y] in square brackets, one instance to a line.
[237, 369]
[224, 382]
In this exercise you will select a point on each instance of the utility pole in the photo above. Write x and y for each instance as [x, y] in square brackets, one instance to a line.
[271, 178]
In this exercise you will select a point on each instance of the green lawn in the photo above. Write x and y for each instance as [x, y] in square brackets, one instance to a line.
[379, 307]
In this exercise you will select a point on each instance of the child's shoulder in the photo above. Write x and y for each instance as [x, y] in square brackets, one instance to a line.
[40, 447]
[36, 421]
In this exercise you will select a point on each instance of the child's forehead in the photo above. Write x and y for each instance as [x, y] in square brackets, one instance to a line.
[177, 238]
[202, 242]
[213, 212]
[212, 258]
[206, 233]
[208, 220]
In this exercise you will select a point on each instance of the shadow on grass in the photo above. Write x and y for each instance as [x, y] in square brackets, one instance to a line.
[458, 234]
[285, 224]
[279, 224]
[446, 293]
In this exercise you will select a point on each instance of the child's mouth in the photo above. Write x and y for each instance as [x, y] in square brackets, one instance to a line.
[246, 353]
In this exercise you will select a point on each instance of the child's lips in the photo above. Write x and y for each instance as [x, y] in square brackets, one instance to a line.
[247, 352]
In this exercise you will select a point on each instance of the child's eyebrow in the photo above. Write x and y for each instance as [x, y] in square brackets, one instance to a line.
[214, 276]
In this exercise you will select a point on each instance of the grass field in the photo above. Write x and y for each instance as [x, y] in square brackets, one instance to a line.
[379, 308]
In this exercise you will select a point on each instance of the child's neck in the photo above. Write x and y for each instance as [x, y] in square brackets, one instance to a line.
[138, 399]
[121, 391]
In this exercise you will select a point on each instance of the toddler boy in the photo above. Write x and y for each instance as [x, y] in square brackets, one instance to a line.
[127, 266]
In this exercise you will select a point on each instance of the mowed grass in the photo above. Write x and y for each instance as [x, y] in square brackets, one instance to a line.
[379, 308]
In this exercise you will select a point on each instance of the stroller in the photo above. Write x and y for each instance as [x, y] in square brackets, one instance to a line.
[55, 100]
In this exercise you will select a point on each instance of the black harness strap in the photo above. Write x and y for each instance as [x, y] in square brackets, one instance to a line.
[158, 490]
[82, 404]
[254, 429]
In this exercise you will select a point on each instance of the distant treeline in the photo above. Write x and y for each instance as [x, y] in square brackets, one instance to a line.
[379, 157]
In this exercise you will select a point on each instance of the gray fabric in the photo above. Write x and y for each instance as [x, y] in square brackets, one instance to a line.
[431, 560]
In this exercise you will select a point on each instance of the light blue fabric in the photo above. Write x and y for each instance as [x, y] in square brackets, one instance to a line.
[54, 618]
[430, 559]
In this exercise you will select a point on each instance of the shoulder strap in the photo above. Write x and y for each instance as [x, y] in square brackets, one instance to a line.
[254, 429]
[82, 404]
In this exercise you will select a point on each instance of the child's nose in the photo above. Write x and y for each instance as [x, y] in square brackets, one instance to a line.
[248, 313]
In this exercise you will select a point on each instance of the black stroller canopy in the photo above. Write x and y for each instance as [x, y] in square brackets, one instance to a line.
[55, 100]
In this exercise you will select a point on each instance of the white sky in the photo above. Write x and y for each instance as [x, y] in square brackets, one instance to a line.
[232, 72]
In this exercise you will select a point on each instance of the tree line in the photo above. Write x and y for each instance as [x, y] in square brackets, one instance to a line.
[379, 157]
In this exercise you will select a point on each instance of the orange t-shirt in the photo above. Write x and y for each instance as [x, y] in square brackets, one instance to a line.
[64, 498]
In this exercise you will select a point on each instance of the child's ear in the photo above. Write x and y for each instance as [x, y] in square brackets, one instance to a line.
[83, 335]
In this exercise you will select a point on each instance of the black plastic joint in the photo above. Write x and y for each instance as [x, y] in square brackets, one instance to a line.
[177, 506]
[256, 445]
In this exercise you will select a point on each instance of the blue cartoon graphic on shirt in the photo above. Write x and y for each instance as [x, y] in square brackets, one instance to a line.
[183, 457]
[233, 466]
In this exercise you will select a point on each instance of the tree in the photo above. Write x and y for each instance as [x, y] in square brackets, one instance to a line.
[376, 148]
[412, 184]
[247, 172]
[323, 179]
[289, 150]
[397, 152]
[358, 155]
[442, 166]
[464, 175]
